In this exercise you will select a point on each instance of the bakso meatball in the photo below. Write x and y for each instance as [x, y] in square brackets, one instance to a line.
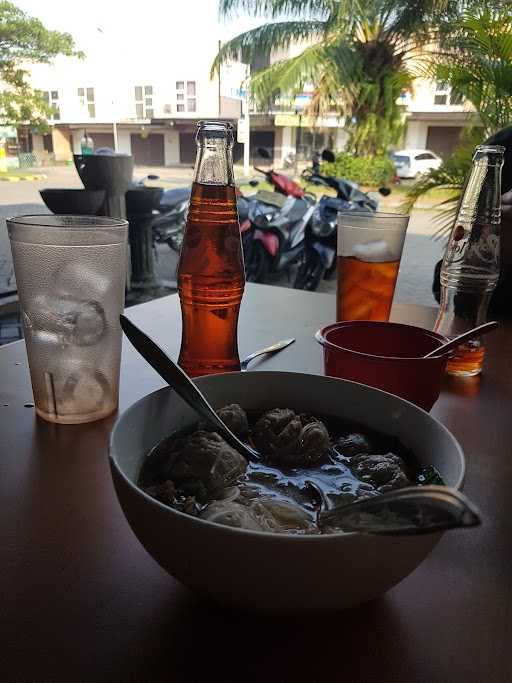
[385, 472]
[286, 438]
[236, 419]
[353, 444]
[204, 463]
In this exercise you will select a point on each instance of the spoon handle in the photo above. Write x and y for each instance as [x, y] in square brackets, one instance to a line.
[409, 511]
[461, 338]
[181, 383]
[278, 346]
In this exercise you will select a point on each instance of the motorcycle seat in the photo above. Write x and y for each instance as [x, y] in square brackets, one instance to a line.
[297, 210]
[172, 197]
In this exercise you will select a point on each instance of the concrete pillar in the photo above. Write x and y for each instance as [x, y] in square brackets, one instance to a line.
[77, 136]
[341, 139]
[278, 147]
[171, 147]
[61, 145]
[416, 135]
[124, 141]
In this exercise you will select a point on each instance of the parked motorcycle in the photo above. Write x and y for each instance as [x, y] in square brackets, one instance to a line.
[319, 259]
[170, 216]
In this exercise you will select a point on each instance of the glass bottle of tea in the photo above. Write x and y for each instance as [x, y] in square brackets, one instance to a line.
[211, 276]
[471, 264]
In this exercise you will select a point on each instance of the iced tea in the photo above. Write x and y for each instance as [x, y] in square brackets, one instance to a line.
[365, 289]
[211, 282]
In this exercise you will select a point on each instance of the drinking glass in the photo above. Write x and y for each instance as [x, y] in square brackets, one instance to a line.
[71, 272]
[369, 252]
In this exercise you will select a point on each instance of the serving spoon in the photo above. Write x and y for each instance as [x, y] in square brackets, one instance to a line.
[457, 341]
[412, 510]
[182, 385]
[278, 346]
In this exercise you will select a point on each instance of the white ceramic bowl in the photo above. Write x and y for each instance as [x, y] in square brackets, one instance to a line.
[265, 572]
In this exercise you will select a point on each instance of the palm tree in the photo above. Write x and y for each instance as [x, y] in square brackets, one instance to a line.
[476, 61]
[356, 53]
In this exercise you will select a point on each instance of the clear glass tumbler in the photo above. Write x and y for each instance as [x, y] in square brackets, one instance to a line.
[71, 273]
[369, 251]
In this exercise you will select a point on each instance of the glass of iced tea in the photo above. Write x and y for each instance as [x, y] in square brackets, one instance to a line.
[369, 252]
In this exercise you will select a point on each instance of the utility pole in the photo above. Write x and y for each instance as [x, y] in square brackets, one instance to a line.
[247, 139]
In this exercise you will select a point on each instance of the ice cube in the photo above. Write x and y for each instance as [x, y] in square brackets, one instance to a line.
[375, 251]
[71, 321]
[73, 276]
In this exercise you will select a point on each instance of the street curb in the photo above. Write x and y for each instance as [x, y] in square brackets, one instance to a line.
[16, 178]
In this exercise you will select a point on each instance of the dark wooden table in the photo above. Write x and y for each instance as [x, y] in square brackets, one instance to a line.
[80, 600]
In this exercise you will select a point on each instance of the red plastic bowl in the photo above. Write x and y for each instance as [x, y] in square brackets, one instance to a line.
[386, 356]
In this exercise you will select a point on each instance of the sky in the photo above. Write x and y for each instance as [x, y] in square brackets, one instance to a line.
[160, 31]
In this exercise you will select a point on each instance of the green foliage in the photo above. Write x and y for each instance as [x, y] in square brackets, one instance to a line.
[24, 39]
[357, 54]
[476, 61]
[451, 175]
[371, 171]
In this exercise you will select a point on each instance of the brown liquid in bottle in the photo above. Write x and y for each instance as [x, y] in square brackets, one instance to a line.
[211, 282]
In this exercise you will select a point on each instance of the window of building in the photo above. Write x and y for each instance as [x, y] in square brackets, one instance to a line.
[86, 99]
[51, 97]
[180, 96]
[167, 109]
[445, 95]
[180, 108]
[191, 105]
[144, 101]
[180, 85]
[456, 98]
[191, 88]
[441, 94]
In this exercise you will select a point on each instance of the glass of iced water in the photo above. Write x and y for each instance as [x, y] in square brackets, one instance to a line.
[369, 252]
[71, 274]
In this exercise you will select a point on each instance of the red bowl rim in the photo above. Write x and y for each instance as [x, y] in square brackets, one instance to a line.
[321, 337]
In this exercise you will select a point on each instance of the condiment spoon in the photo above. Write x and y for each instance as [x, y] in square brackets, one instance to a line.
[457, 341]
[182, 385]
[408, 511]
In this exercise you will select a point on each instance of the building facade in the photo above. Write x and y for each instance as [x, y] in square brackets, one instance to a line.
[151, 113]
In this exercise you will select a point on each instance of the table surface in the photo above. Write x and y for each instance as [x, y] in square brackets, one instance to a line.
[80, 599]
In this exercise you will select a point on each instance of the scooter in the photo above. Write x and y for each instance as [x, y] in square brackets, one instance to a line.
[319, 260]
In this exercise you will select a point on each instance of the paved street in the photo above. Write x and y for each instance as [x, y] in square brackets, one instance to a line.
[414, 282]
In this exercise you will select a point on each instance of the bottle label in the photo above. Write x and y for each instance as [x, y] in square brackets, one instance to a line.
[480, 246]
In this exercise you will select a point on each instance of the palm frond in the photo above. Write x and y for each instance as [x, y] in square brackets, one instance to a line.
[246, 46]
[302, 9]
[287, 77]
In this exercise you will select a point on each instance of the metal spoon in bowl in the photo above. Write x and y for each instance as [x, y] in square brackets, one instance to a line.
[409, 511]
[278, 346]
[182, 385]
[457, 341]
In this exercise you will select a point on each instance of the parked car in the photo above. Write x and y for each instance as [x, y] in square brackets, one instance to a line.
[412, 163]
